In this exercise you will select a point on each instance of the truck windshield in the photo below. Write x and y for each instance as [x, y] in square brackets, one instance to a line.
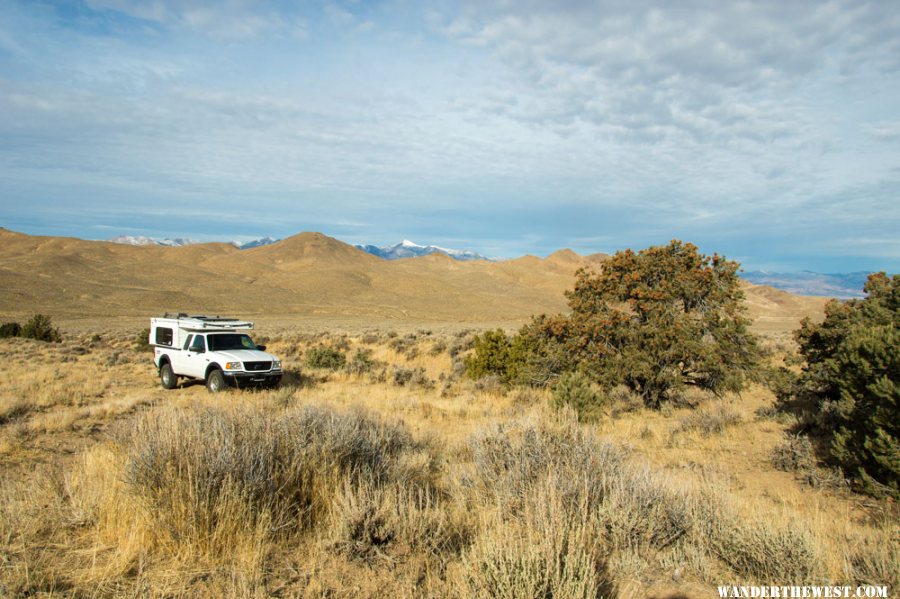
[230, 341]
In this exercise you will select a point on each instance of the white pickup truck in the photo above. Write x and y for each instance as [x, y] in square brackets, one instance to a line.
[212, 349]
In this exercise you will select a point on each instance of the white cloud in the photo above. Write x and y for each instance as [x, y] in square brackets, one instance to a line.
[887, 131]
[644, 118]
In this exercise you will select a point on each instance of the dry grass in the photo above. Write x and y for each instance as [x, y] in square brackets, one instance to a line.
[345, 483]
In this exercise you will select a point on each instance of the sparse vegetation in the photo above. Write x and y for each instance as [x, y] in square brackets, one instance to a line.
[369, 480]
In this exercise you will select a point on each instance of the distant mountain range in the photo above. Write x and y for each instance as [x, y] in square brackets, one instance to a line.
[404, 249]
[183, 241]
[408, 249]
[141, 240]
[308, 274]
[839, 285]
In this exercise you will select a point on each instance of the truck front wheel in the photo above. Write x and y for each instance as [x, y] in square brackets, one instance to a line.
[167, 376]
[215, 381]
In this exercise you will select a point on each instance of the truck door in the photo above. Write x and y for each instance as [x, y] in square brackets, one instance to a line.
[178, 357]
[195, 360]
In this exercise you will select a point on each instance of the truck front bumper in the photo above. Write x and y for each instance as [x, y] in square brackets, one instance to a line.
[253, 379]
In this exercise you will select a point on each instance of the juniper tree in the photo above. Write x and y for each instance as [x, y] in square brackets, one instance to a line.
[853, 369]
[657, 320]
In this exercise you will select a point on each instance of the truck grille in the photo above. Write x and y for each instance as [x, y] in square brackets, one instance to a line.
[257, 366]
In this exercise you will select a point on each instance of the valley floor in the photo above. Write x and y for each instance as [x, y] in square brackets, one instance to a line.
[399, 477]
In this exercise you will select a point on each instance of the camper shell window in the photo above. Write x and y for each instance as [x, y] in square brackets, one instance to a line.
[164, 336]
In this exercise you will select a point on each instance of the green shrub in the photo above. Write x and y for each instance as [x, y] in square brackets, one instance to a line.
[491, 357]
[361, 362]
[142, 341]
[526, 358]
[40, 327]
[574, 389]
[853, 370]
[413, 377]
[328, 358]
[10, 329]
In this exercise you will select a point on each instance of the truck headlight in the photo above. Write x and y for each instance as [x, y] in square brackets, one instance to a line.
[232, 366]
[276, 364]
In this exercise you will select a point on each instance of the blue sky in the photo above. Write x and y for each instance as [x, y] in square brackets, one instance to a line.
[767, 131]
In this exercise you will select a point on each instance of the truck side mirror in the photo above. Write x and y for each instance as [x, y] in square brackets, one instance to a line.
[261, 347]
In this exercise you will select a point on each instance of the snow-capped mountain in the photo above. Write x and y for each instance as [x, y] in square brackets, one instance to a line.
[141, 240]
[408, 249]
[181, 241]
[248, 245]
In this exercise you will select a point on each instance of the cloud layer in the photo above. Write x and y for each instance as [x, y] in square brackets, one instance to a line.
[766, 130]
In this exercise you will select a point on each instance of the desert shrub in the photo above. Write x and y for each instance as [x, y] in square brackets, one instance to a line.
[710, 421]
[853, 371]
[511, 458]
[784, 553]
[491, 356]
[552, 551]
[142, 341]
[624, 400]
[340, 342]
[325, 357]
[40, 327]
[490, 384]
[361, 362]
[634, 507]
[465, 340]
[375, 521]
[413, 377]
[873, 561]
[522, 359]
[794, 454]
[10, 329]
[574, 389]
[408, 345]
[370, 338]
[198, 468]
[378, 375]
[438, 348]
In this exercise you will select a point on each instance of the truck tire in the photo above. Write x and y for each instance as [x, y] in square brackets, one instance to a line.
[215, 381]
[167, 376]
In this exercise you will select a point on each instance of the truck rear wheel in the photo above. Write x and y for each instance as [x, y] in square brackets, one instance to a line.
[215, 381]
[167, 376]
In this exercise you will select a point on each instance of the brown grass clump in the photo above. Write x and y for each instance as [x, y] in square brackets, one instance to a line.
[552, 550]
[710, 421]
[282, 470]
[634, 509]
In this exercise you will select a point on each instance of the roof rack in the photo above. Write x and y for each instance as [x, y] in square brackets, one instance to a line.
[200, 322]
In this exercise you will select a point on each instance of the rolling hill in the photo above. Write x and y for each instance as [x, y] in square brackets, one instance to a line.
[309, 274]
